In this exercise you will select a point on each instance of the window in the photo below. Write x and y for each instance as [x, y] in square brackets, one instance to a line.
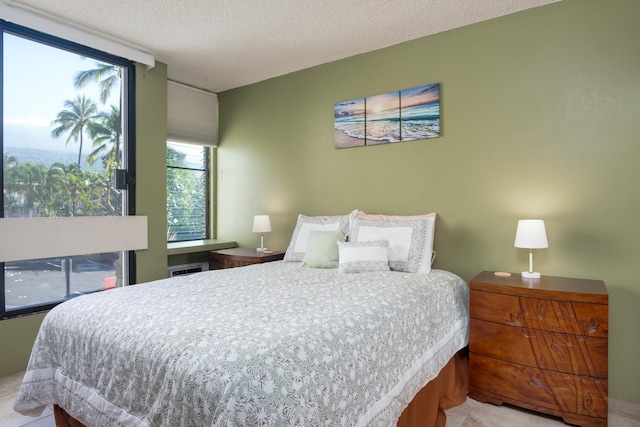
[187, 191]
[65, 110]
[192, 126]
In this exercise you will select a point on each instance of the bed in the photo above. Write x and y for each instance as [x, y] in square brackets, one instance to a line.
[279, 343]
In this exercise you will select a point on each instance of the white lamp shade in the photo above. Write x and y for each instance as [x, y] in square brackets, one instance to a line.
[531, 234]
[261, 224]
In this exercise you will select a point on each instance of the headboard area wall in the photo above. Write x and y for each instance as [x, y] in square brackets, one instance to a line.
[538, 113]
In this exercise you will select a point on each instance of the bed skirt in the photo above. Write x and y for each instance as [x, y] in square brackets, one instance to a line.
[447, 390]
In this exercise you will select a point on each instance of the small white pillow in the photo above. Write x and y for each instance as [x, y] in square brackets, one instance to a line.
[300, 237]
[360, 257]
[410, 238]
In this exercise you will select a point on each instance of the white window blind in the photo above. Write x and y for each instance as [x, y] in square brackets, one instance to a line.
[37, 238]
[192, 115]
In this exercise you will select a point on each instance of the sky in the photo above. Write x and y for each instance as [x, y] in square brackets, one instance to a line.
[37, 81]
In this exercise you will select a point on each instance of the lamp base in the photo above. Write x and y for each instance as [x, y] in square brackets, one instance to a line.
[530, 275]
[261, 249]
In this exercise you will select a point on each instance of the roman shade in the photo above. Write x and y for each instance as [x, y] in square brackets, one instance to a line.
[192, 115]
[40, 238]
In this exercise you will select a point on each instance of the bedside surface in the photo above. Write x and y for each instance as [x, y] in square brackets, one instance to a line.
[246, 252]
[553, 287]
[240, 257]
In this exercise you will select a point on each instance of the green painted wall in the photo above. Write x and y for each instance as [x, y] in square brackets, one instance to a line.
[17, 335]
[151, 168]
[539, 119]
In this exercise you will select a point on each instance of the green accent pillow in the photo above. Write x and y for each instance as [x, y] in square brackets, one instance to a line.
[322, 249]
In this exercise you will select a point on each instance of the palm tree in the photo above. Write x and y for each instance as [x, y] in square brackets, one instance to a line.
[80, 113]
[106, 132]
[106, 135]
[11, 171]
[106, 75]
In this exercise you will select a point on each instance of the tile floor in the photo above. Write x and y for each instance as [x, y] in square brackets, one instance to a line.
[470, 414]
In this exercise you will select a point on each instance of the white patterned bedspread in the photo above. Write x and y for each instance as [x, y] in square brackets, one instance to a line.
[268, 344]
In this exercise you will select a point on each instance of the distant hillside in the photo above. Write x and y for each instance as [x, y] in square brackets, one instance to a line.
[49, 157]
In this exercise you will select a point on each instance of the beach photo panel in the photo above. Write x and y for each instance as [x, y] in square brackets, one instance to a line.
[349, 123]
[382, 118]
[420, 112]
[405, 115]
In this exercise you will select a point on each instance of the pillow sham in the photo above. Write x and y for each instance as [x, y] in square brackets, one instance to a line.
[361, 257]
[322, 250]
[305, 224]
[410, 238]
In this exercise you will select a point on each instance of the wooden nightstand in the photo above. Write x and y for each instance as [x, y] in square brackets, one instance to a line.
[239, 257]
[541, 344]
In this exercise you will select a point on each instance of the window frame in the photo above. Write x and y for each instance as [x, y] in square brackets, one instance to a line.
[207, 191]
[129, 132]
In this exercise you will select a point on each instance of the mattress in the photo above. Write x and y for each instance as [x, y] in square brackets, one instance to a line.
[267, 344]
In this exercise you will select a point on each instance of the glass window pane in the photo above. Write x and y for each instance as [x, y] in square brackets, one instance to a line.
[41, 281]
[189, 156]
[187, 192]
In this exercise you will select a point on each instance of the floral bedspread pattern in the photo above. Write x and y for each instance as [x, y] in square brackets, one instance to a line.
[268, 344]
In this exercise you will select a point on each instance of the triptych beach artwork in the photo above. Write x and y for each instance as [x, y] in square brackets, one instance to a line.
[404, 115]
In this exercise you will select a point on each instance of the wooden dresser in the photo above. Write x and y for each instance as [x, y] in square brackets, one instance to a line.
[239, 257]
[541, 344]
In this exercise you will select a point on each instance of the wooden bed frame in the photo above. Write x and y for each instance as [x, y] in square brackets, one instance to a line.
[447, 390]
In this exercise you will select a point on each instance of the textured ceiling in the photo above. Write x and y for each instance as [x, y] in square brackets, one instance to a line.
[223, 44]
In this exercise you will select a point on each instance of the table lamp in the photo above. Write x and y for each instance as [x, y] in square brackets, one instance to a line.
[531, 235]
[261, 224]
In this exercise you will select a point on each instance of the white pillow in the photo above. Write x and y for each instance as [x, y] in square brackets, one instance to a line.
[300, 237]
[410, 238]
[360, 257]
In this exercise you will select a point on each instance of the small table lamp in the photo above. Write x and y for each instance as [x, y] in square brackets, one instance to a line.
[531, 235]
[261, 224]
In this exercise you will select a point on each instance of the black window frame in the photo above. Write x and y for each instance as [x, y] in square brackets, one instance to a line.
[207, 171]
[129, 87]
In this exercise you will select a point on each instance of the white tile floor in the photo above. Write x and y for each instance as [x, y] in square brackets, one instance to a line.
[470, 414]
[476, 414]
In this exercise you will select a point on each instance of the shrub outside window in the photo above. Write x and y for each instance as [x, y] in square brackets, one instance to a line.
[187, 192]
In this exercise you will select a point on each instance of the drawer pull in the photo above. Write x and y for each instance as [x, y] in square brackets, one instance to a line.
[588, 404]
[563, 309]
[541, 309]
[515, 321]
[557, 349]
[537, 383]
[589, 327]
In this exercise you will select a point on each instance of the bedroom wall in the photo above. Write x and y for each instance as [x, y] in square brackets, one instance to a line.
[539, 113]
[151, 168]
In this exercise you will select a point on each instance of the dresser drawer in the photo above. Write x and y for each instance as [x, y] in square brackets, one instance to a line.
[584, 319]
[571, 354]
[547, 391]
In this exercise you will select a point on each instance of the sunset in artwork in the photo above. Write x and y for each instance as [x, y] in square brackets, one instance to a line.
[405, 115]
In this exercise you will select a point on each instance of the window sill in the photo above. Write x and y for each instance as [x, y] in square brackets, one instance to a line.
[177, 248]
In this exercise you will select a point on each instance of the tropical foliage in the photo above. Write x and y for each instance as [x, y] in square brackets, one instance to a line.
[35, 190]
[186, 198]
[60, 190]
